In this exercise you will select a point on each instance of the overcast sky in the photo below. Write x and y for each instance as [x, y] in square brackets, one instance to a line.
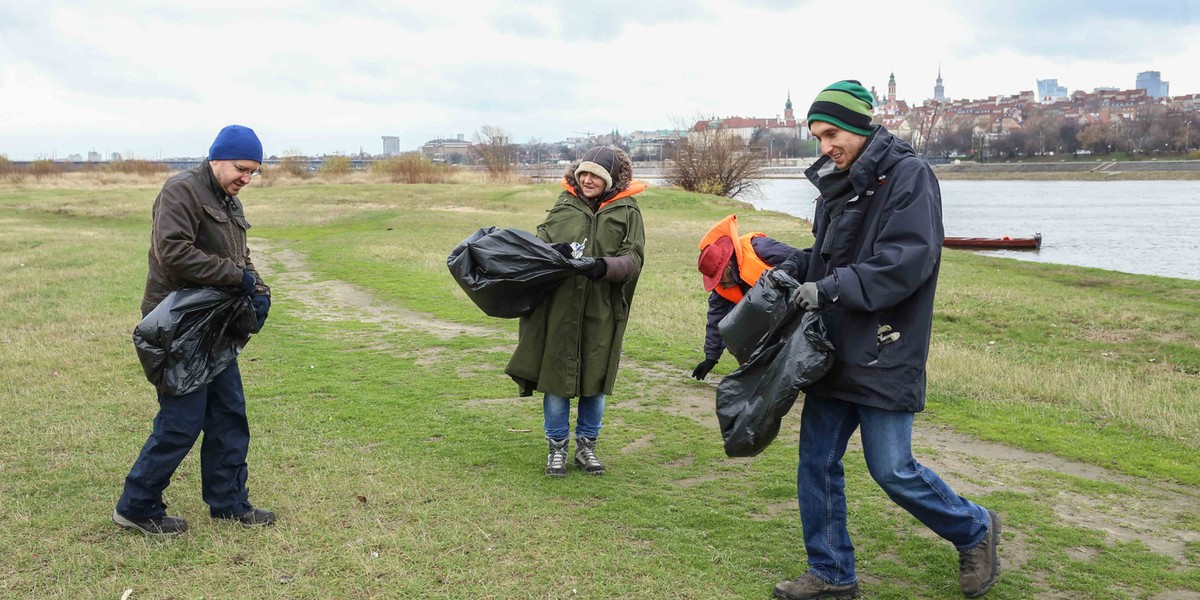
[158, 79]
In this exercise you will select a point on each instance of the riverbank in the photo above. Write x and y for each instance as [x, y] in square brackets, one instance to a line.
[402, 463]
[1098, 170]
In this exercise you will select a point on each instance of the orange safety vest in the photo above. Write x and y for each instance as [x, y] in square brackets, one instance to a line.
[750, 266]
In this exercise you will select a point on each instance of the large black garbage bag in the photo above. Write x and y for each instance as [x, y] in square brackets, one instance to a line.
[752, 400]
[763, 307]
[507, 272]
[191, 336]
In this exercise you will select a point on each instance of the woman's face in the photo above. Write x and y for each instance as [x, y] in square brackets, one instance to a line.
[591, 185]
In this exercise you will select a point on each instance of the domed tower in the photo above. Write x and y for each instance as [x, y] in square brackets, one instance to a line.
[787, 108]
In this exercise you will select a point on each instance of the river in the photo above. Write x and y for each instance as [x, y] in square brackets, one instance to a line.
[1144, 227]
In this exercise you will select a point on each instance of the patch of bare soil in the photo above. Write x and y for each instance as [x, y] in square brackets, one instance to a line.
[1148, 514]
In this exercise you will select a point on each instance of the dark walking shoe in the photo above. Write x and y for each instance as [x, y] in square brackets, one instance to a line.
[255, 517]
[163, 526]
[556, 460]
[811, 587]
[585, 456]
[979, 566]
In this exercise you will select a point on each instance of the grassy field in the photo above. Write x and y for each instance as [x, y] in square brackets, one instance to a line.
[402, 464]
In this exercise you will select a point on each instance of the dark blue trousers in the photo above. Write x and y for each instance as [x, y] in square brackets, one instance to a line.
[219, 410]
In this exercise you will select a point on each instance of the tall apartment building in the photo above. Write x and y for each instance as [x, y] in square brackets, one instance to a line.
[391, 145]
[1152, 82]
[1050, 91]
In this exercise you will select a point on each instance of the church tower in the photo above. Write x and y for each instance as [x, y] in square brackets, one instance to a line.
[787, 108]
[892, 88]
[939, 92]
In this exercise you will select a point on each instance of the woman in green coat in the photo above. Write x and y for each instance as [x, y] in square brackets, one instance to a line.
[570, 345]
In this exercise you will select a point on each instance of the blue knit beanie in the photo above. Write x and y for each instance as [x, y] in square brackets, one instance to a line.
[236, 142]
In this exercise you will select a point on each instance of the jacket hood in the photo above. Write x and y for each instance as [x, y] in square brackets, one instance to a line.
[622, 175]
[882, 152]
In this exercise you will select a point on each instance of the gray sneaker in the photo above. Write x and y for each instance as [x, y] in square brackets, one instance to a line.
[810, 587]
[556, 459]
[164, 526]
[585, 456]
[979, 566]
[255, 517]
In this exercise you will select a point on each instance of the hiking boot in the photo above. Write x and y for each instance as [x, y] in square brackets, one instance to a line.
[163, 526]
[979, 566]
[556, 460]
[585, 456]
[809, 587]
[255, 517]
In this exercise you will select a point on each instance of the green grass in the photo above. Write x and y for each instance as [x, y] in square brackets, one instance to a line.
[402, 465]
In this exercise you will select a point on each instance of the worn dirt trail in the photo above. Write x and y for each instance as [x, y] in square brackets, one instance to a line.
[974, 467]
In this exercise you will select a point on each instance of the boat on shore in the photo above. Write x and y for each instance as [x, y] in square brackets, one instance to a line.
[1000, 243]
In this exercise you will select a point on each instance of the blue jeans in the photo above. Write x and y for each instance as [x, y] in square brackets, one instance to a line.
[558, 416]
[825, 429]
[219, 410]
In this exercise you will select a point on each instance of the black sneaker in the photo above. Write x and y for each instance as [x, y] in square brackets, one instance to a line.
[979, 566]
[810, 587]
[255, 517]
[163, 526]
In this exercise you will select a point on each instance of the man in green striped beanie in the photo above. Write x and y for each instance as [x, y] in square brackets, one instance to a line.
[872, 273]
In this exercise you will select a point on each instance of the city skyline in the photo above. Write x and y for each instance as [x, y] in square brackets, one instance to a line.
[76, 78]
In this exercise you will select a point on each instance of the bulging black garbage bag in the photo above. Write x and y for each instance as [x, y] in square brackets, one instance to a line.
[752, 400]
[191, 336]
[507, 272]
[762, 308]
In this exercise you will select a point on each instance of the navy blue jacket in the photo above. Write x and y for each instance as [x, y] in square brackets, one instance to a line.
[772, 252]
[882, 273]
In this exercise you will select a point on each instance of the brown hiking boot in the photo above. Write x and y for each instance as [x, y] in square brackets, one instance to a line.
[979, 566]
[163, 526]
[810, 587]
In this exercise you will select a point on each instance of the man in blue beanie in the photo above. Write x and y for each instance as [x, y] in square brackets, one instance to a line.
[872, 272]
[198, 238]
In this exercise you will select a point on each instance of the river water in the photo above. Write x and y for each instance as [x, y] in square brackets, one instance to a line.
[1145, 227]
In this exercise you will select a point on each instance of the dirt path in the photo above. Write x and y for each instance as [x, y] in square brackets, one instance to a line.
[974, 467]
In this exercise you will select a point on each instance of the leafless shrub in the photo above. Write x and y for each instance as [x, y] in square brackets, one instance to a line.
[710, 160]
[411, 167]
[493, 149]
[44, 168]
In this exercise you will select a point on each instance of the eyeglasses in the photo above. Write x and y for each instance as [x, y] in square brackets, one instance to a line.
[243, 171]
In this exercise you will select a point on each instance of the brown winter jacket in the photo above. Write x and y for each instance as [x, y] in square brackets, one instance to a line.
[198, 237]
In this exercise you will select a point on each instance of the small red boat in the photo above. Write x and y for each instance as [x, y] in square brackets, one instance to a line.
[1000, 243]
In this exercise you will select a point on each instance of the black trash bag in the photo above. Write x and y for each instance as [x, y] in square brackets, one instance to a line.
[507, 272]
[191, 336]
[762, 308]
[752, 400]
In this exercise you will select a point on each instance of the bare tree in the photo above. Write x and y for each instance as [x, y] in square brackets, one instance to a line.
[711, 160]
[493, 148]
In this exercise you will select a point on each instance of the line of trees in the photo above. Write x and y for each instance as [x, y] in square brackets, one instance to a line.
[1155, 130]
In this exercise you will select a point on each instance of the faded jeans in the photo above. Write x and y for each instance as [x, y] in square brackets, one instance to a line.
[558, 416]
[825, 429]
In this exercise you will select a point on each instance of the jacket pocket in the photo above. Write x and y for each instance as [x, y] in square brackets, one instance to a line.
[216, 214]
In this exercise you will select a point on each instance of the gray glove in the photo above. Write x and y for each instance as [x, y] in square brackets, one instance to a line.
[808, 296]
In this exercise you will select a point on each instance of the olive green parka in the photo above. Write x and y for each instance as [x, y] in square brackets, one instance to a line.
[570, 345]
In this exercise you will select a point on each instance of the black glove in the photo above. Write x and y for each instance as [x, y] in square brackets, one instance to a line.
[592, 268]
[808, 296]
[262, 305]
[781, 278]
[562, 248]
[791, 266]
[246, 287]
[702, 369]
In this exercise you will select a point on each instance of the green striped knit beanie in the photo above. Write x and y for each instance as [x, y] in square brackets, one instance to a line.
[846, 104]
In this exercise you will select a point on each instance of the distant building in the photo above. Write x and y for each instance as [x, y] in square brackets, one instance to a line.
[391, 145]
[116, 157]
[455, 151]
[939, 91]
[1049, 91]
[94, 156]
[1152, 82]
[748, 128]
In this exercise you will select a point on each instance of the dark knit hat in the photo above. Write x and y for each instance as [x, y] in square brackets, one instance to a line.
[236, 142]
[846, 104]
[600, 161]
